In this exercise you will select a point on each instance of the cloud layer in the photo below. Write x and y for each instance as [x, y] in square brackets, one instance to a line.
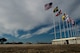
[29, 14]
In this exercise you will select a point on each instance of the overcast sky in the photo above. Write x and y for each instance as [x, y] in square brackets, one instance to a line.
[23, 19]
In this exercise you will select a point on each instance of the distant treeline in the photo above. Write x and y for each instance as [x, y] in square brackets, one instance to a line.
[27, 43]
[14, 43]
[43, 43]
[3, 41]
